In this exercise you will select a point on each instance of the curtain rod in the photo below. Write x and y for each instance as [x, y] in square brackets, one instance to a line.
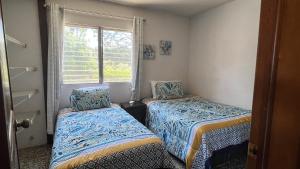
[96, 13]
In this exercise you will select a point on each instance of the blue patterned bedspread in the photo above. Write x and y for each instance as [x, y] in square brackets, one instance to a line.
[192, 128]
[105, 138]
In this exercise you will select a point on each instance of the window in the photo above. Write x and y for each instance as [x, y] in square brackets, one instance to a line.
[85, 61]
[117, 51]
[80, 60]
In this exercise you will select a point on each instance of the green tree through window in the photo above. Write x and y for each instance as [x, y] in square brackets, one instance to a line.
[81, 59]
[117, 51]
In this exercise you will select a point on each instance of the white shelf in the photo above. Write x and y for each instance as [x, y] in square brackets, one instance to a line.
[28, 93]
[21, 70]
[22, 96]
[15, 41]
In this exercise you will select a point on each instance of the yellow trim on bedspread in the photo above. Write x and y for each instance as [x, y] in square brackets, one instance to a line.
[106, 152]
[206, 128]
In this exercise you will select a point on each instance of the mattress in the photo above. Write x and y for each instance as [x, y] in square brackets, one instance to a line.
[193, 128]
[105, 138]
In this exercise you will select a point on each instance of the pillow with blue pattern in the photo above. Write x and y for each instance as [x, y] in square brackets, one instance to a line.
[167, 89]
[90, 98]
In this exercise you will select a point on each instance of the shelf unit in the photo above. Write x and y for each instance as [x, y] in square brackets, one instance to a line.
[15, 41]
[21, 70]
[20, 97]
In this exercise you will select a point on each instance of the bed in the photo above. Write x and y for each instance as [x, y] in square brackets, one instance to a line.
[194, 128]
[105, 138]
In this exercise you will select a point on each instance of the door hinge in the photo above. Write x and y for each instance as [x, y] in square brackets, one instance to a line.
[252, 150]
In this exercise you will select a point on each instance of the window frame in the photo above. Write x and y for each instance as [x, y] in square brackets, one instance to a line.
[100, 51]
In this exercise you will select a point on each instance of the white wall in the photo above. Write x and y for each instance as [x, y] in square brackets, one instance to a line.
[223, 43]
[21, 22]
[214, 53]
[159, 26]
[21, 19]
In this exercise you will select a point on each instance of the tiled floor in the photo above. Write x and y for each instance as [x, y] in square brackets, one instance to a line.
[35, 157]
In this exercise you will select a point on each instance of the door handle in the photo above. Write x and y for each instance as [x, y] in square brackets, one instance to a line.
[252, 150]
[25, 123]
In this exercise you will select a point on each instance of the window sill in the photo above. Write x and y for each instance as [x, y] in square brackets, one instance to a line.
[94, 84]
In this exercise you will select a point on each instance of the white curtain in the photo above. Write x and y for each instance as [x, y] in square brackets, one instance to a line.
[55, 19]
[137, 57]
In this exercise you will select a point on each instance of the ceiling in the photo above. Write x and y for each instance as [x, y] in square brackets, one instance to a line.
[180, 7]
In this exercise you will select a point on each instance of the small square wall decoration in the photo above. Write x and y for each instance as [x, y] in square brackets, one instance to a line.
[149, 53]
[165, 47]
